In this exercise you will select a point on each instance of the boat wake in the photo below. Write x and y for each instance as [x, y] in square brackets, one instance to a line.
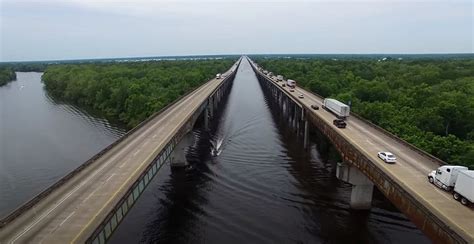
[217, 147]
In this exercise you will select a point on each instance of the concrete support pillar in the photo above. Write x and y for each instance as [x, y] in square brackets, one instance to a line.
[361, 196]
[299, 121]
[178, 156]
[290, 114]
[281, 100]
[362, 187]
[211, 106]
[206, 118]
[306, 134]
[295, 116]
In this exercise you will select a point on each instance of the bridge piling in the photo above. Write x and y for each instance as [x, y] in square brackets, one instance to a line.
[293, 117]
[362, 187]
[206, 118]
[178, 156]
[211, 107]
[306, 134]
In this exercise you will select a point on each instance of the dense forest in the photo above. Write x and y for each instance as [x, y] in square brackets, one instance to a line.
[6, 75]
[25, 66]
[129, 92]
[429, 103]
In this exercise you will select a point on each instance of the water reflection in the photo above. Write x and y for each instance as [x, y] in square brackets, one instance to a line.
[262, 188]
[42, 140]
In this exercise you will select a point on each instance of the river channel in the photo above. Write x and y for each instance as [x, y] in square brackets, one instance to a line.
[263, 187]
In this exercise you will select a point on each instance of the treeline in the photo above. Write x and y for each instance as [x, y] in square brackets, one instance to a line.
[6, 75]
[129, 92]
[26, 66]
[429, 103]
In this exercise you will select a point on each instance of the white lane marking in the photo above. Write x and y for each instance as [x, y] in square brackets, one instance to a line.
[90, 195]
[69, 216]
[109, 177]
[122, 151]
[125, 162]
[57, 227]
[135, 153]
[154, 135]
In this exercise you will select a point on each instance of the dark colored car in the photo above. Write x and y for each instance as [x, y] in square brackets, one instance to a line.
[315, 107]
[339, 123]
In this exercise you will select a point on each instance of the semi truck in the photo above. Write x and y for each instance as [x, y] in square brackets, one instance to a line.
[291, 83]
[341, 110]
[458, 179]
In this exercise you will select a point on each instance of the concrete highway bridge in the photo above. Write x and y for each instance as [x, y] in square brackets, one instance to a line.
[405, 183]
[89, 203]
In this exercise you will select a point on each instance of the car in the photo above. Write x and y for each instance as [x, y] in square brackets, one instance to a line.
[292, 90]
[387, 157]
[339, 123]
[315, 107]
[218, 76]
[283, 85]
[301, 96]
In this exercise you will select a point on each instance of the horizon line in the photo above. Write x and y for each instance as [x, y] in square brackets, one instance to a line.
[221, 55]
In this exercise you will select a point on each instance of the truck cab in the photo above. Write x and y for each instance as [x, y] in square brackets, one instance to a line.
[291, 83]
[445, 176]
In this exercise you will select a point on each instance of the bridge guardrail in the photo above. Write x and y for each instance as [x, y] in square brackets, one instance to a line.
[389, 134]
[32, 202]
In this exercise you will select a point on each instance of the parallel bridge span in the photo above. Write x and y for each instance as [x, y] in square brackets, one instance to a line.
[405, 184]
[88, 204]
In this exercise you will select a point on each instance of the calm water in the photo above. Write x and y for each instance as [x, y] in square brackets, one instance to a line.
[262, 188]
[41, 141]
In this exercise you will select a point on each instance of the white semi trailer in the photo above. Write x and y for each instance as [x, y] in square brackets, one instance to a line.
[341, 110]
[458, 179]
[291, 83]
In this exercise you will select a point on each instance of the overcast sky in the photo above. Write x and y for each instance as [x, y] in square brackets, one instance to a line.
[77, 29]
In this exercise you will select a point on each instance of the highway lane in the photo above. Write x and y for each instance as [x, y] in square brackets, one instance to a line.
[410, 171]
[72, 211]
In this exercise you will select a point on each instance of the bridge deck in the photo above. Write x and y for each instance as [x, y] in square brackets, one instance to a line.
[72, 212]
[410, 171]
